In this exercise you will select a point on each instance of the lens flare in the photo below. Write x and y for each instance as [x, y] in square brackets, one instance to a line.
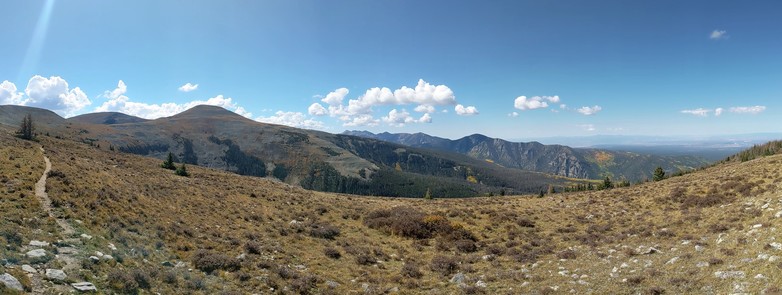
[33, 55]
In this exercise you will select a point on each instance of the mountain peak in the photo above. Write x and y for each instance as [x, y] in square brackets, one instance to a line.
[207, 111]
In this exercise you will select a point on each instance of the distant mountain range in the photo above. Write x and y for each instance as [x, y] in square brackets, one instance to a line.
[553, 159]
[214, 137]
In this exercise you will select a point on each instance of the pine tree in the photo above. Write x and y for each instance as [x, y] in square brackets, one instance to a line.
[659, 174]
[169, 163]
[26, 129]
[607, 184]
[428, 195]
[182, 171]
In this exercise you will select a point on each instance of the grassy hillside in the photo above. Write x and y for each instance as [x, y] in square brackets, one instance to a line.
[712, 231]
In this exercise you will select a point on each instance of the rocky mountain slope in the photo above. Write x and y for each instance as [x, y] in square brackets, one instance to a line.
[553, 159]
[214, 137]
[138, 228]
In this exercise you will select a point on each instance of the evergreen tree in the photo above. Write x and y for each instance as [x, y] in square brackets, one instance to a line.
[169, 163]
[26, 129]
[607, 184]
[428, 195]
[659, 174]
[182, 171]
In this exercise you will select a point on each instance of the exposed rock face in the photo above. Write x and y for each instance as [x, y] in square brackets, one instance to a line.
[11, 282]
[36, 253]
[84, 287]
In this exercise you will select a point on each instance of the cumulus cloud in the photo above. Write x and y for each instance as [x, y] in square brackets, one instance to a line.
[359, 111]
[335, 97]
[119, 102]
[753, 110]
[188, 87]
[293, 119]
[316, 109]
[589, 110]
[536, 102]
[465, 111]
[361, 120]
[398, 118]
[718, 111]
[718, 35]
[9, 94]
[700, 112]
[54, 94]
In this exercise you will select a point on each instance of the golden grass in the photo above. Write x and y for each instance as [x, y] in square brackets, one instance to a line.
[585, 242]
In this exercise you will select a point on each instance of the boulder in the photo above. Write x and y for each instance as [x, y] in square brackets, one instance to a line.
[55, 274]
[729, 274]
[36, 243]
[36, 253]
[11, 282]
[28, 269]
[458, 278]
[84, 287]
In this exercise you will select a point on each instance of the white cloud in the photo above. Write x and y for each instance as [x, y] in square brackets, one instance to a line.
[118, 102]
[187, 87]
[589, 110]
[398, 118]
[54, 94]
[361, 120]
[718, 111]
[316, 109]
[748, 110]
[9, 94]
[293, 119]
[563, 106]
[425, 109]
[701, 112]
[335, 97]
[426, 118]
[588, 127]
[513, 114]
[536, 102]
[718, 35]
[465, 111]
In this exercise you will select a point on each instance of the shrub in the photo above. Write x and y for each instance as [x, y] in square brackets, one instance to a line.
[142, 278]
[323, 231]
[182, 171]
[524, 222]
[567, 254]
[208, 261]
[122, 282]
[169, 163]
[305, 284]
[444, 265]
[170, 278]
[365, 259]
[465, 246]
[253, 247]
[411, 270]
[332, 253]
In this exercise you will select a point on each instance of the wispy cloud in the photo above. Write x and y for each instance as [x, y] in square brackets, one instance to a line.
[188, 87]
[293, 119]
[718, 35]
[700, 112]
[753, 110]
[588, 111]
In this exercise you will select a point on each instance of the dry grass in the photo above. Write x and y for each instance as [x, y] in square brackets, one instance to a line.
[301, 241]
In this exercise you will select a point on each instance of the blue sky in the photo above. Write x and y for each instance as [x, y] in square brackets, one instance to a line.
[582, 67]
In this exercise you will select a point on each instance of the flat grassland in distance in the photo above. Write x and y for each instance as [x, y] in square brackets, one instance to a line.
[711, 231]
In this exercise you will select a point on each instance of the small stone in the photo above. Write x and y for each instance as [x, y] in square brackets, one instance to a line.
[167, 264]
[624, 265]
[241, 256]
[764, 256]
[332, 284]
[778, 215]
[729, 274]
[480, 284]
[757, 225]
[11, 282]
[458, 278]
[773, 258]
[702, 264]
[524, 284]
[180, 264]
[765, 206]
[99, 253]
[673, 260]
[488, 257]
[29, 269]
[36, 243]
[646, 250]
[55, 274]
[86, 236]
[67, 250]
[776, 245]
[112, 247]
[393, 290]
[699, 248]
[94, 258]
[36, 253]
[108, 257]
[84, 287]
[760, 276]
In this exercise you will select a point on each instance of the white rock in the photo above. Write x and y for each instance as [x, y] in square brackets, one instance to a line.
[763, 256]
[686, 242]
[86, 237]
[759, 225]
[699, 248]
[615, 269]
[55, 274]
[36, 253]
[729, 274]
[28, 269]
[84, 287]
[563, 273]
[524, 284]
[36, 243]
[773, 258]
[107, 257]
[673, 260]
[99, 253]
[764, 206]
[702, 264]
[776, 245]
[778, 215]
[94, 258]
[11, 282]
[582, 282]
[67, 250]
[760, 276]
[112, 247]
[480, 284]
[624, 265]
